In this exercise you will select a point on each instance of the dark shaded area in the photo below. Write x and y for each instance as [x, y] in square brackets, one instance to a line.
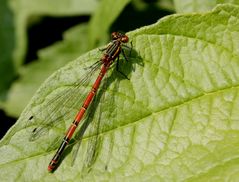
[150, 1]
[132, 18]
[5, 123]
[47, 31]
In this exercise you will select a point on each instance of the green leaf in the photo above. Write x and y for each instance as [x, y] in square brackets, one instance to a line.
[102, 20]
[176, 119]
[199, 5]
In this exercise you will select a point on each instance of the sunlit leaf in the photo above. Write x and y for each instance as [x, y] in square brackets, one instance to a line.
[175, 119]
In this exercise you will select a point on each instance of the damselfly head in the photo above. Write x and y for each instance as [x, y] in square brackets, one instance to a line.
[122, 37]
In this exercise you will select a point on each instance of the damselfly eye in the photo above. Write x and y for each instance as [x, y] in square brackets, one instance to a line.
[125, 39]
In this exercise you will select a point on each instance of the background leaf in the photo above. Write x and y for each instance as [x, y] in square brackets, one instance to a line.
[7, 70]
[176, 119]
[103, 18]
[199, 5]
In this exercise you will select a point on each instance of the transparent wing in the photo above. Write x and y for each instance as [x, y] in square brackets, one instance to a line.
[91, 120]
[55, 109]
[94, 119]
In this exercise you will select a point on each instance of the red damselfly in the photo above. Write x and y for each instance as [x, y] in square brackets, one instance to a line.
[110, 54]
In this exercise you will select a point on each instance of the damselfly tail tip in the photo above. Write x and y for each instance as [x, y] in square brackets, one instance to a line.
[52, 165]
[50, 169]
